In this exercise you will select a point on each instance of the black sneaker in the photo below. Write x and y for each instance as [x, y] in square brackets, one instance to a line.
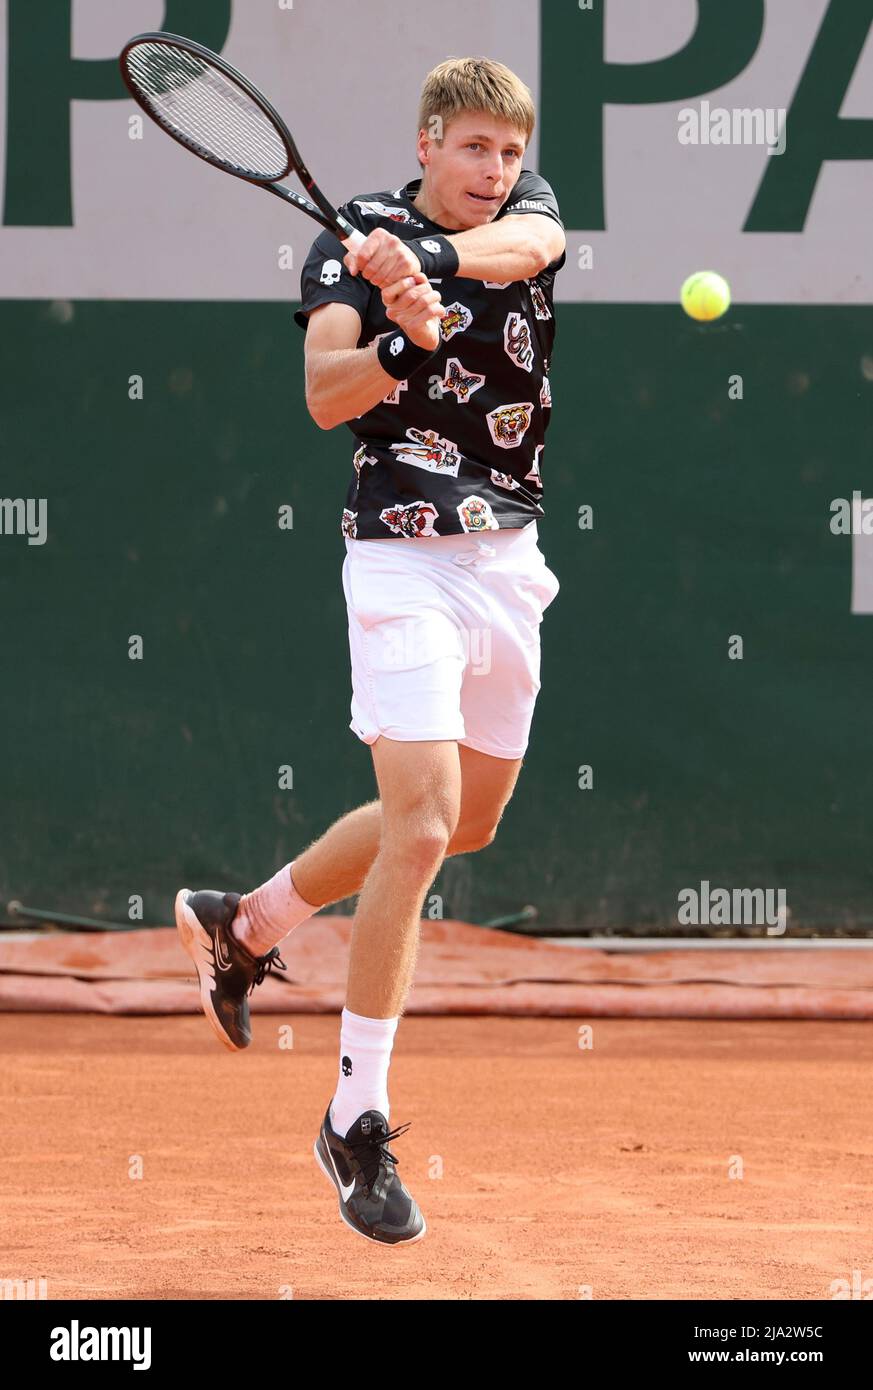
[372, 1199]
[228, 972]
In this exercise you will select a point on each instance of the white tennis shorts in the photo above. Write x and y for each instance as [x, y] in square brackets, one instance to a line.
[444, 637]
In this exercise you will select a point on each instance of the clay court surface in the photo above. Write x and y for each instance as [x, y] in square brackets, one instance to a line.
[560, 1167]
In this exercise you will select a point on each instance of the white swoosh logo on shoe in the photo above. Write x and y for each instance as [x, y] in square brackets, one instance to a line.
[346, 1191]
[224, 961]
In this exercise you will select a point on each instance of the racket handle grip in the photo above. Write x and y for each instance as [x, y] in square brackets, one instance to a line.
[353, 241]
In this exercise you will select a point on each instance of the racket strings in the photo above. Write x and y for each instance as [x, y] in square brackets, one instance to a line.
[202, 106]
[207, 110]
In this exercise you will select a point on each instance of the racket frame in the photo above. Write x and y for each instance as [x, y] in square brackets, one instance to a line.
[320, 209]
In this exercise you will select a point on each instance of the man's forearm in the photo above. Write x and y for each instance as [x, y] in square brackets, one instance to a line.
[345, 384]
[502, 251]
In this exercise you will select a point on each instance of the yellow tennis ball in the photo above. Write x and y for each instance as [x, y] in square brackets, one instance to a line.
[705, 295]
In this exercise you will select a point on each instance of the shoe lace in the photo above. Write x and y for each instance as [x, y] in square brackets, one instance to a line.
[265, 966]
[372, 1152]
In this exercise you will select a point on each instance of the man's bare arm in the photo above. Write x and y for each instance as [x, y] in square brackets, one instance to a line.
[516, 247]
[344, 381]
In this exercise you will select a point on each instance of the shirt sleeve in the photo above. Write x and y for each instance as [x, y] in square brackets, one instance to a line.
[533, 194]
[325, 280]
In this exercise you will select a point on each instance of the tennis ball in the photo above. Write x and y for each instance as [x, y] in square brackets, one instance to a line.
[705, 295]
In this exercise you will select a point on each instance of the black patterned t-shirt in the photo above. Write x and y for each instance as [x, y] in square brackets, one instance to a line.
[458, 447]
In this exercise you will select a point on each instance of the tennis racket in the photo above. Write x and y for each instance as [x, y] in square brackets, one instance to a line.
[217, 114]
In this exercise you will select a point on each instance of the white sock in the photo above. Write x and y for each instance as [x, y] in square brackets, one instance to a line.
[365, 1055]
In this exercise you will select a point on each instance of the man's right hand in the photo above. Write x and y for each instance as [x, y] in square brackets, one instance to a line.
[415, 306]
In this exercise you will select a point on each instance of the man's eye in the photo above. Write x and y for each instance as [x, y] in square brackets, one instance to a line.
[475, 145]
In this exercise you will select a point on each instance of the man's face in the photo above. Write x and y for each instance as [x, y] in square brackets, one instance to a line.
[472, 174]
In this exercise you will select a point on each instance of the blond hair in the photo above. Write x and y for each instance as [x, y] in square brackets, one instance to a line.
[474, 84]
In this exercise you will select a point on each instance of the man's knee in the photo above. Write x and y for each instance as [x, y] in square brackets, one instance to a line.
[420, 847]
[466, 840]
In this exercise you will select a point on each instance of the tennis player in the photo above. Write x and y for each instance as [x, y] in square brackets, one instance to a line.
[432, 342]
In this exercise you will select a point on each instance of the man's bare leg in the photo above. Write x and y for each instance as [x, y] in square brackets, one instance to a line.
[420, 796]
[335, 866]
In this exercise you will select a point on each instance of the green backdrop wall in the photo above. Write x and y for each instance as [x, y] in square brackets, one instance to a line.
[710, 519]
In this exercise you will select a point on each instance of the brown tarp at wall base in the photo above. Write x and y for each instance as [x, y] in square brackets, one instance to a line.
[462, 969]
